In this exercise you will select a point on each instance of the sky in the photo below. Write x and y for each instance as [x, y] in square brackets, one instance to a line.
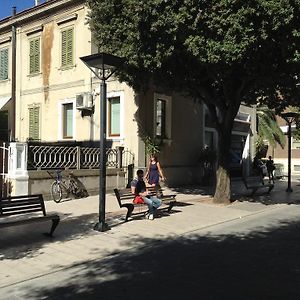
[6, 6]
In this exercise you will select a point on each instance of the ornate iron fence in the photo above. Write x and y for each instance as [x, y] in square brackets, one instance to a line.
[75, 157]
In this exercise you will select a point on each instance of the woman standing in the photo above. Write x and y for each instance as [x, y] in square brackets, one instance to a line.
[154, 171]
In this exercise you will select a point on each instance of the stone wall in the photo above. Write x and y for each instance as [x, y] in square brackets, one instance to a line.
[39, 182]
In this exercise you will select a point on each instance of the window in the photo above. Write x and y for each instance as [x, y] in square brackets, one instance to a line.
[162, 116]
[34, 56]
[4, 64]
[114, 116]
[210, 139]
[295, 143]
[67, 55]
[4, 126]
[34, 123]
[67, 121]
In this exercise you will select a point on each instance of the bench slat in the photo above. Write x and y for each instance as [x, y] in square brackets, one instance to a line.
[19, 212]
[21, 203]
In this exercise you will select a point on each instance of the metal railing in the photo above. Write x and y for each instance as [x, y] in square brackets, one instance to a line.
[75, 157]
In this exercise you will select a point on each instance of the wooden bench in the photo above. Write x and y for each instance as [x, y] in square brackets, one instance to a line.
[29, 209]
[125, 199]
[255, 183]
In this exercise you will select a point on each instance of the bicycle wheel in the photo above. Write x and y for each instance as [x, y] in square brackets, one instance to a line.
[56, 191]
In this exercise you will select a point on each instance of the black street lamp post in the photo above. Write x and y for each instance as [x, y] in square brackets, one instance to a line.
[103, 65]
[290, 118]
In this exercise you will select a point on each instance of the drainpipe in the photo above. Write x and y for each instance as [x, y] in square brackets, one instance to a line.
[13, 78]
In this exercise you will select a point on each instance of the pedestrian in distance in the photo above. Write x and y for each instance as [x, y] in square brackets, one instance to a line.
[142, 195]
[270, 169]
[154, 171]
[154, 174]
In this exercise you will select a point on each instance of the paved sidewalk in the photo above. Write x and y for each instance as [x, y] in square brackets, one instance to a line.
[26, 255]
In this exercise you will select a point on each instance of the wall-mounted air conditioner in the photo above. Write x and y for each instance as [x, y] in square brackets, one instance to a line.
[84, 101]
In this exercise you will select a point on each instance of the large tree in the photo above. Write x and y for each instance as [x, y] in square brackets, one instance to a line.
[221, 52]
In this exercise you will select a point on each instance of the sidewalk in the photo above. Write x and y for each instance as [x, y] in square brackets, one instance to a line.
[26, 254]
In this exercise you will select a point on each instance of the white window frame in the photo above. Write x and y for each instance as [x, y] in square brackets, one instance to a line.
[60, 119]
[168, 125]
[115, 94]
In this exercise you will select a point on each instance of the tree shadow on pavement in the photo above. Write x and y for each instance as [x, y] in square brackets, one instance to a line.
[195, 190]
[27, 240]
[262, 265]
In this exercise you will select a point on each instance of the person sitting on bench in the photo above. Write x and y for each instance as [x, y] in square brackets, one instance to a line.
[138, 188]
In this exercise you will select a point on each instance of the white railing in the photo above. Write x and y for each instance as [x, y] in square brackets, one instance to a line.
[76, 157]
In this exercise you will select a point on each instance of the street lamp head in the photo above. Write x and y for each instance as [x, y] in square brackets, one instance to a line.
[290, 117]
[103, 65]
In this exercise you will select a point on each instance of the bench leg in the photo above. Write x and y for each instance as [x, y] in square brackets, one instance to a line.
[254, 191]
[130, 208]
[271, 187]
[53, 227]
[172, 203]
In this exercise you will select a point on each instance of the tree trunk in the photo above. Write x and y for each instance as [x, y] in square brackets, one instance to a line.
[223, 192]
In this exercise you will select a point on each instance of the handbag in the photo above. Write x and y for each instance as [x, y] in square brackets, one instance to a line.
[138, 200]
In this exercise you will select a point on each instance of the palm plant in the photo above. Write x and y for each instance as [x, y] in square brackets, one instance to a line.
[268, 129]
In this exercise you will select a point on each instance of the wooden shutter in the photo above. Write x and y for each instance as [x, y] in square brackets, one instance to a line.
[67, 47]
[34, 56]
[34, 123]
[4, 64]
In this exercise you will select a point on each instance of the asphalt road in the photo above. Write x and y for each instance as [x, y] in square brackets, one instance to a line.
[254, 257]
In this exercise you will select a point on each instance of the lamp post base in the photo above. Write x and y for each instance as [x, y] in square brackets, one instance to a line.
[289, 190]
[101, 226]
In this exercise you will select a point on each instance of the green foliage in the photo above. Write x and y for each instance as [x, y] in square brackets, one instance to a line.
[152, 145]
[268, 128]
[226, 50]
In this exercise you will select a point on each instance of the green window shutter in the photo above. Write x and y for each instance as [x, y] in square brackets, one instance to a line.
[4, 64]
[34, 56]
[34, 123]
[67, 52]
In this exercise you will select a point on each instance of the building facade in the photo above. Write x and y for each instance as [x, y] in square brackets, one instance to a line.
[48, 95]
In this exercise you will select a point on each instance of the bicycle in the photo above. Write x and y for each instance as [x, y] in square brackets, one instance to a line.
[62, 189]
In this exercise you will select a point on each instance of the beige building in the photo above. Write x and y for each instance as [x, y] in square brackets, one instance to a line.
[280, 156]
[47, 95]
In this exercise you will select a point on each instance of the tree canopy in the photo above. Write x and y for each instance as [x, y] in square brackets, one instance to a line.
[201, 47]
[222, 52]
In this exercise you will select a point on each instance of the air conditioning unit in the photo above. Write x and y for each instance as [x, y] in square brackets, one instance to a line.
[84, 101]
